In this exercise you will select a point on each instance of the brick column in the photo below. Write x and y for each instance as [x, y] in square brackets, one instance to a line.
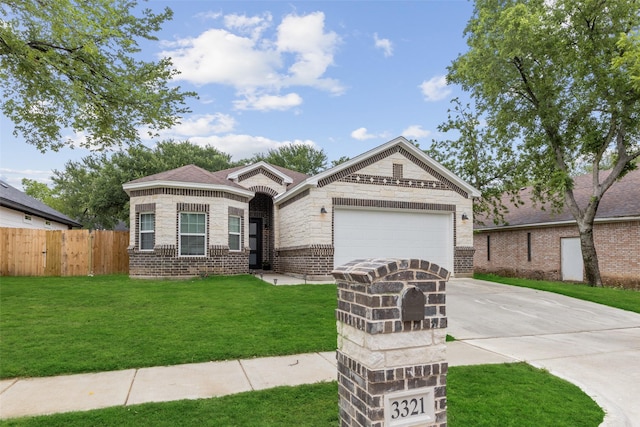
[391, 322]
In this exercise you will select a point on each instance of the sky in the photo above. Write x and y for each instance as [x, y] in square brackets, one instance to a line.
[341, 76]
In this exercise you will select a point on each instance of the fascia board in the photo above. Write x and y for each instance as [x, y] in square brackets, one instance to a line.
[285, 178]
[313, 181]
[555, 223]
[187, 185]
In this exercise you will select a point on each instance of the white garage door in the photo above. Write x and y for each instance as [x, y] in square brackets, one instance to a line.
[360, 233]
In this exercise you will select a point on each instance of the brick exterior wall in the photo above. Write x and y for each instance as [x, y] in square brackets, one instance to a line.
[163, 261]
[463, 261]
[379, 352]
[617, 245]
[314, 261]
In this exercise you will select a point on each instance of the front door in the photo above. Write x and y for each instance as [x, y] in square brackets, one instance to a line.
[255, 243]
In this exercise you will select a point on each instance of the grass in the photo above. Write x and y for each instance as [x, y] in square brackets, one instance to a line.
[486, 395]
[60, 325]
[624, 299]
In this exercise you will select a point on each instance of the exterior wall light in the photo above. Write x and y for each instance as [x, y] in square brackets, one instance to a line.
[323, 210]
[465, 216]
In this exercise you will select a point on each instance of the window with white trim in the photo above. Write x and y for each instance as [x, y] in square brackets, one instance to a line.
[193, 233]
[234, 232]
[147, 231]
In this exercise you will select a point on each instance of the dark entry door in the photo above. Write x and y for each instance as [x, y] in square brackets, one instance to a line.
[255, 243]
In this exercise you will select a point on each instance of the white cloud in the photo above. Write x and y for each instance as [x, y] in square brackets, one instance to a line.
[361, 134]
[241, 146]
[218, 56]
[246, 56]
[415, 131]
[268, 102]
[205, 124]
[313, 48]
[435, 88]
[384, 44]
[253, 26]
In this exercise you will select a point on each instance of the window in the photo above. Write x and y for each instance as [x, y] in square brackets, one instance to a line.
[193, 234]
[529, 247]
[488, 247]
[26, 218]
[147, 231]
[234, 233]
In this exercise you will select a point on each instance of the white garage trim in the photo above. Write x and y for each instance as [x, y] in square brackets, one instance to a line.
[393, 233]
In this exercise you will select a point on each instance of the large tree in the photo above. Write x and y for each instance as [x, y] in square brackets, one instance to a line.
[558, 78]
[91, 191]
[71, 65]
[298, 157]
[479, 156]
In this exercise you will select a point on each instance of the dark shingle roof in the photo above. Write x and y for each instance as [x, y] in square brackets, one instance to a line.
[195, 174]
[620, 201]
[15, 199]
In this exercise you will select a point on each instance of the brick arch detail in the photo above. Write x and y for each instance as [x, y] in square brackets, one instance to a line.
[264, 189]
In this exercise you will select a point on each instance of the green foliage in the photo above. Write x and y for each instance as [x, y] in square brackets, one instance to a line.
[42, 192]
[59, 325]
[516, 395]
[91, 191]
[69, 64]
[481, 157]
[298, 157]
[559, 80]
[339, 161]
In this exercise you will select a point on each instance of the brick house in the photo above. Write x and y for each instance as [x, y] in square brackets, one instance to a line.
[541, 244]
[392, 201]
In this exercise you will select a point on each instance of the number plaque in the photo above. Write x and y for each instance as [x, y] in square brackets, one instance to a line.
[409, 408]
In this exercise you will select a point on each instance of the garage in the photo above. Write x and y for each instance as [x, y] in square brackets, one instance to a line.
[367, 233]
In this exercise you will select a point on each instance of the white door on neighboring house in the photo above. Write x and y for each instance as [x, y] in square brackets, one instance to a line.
[571, 259]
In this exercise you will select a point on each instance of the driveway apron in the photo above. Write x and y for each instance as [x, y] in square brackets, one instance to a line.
[591, 345]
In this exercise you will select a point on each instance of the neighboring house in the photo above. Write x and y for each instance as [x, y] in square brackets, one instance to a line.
[19, 210]
[541, 244]
[392, 201]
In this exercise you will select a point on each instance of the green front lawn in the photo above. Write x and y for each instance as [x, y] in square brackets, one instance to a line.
[60, 325]
[488, 395]
[624, 299]
[84, 324]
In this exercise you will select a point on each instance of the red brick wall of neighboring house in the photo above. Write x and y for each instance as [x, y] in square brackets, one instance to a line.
[617, 245]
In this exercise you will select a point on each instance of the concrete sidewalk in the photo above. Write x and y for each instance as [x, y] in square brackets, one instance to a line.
[82, 392]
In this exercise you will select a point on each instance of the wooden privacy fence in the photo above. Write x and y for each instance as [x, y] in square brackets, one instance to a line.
[30, 252]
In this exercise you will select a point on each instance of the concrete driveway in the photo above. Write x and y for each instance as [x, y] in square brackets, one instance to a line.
[591, 345]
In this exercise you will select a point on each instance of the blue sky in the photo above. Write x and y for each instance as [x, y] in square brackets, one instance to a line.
[342, 76]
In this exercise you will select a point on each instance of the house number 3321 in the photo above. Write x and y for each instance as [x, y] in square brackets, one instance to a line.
[407, 408]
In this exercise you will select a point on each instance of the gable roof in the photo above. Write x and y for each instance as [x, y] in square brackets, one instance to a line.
[195, 177]
[288, 176]
[398, 144]
[12, 198]
[621, 201]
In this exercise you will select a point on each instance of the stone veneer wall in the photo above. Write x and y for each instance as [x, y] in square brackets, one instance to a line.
[617, 245]
[378, 352]
[163, 261]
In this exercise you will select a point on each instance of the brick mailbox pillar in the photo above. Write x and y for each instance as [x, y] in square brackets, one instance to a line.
[391, 322]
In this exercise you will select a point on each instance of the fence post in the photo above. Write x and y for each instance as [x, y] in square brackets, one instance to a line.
[391, 322]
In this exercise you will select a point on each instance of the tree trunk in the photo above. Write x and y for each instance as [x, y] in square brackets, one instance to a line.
[589, 255]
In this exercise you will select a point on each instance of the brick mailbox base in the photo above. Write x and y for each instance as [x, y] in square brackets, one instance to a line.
[391, 343]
